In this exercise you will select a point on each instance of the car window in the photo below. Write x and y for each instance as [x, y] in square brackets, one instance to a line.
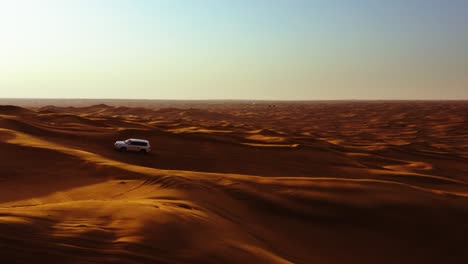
[136, 143]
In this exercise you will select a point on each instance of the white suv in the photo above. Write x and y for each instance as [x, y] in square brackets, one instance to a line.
[133, 144]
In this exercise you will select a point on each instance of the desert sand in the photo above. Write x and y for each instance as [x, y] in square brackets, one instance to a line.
[234, 182]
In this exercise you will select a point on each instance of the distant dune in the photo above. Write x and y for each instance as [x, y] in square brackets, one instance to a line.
[13, 110]
[234, 182]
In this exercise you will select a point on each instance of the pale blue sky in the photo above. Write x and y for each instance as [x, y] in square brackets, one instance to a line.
[238, 49]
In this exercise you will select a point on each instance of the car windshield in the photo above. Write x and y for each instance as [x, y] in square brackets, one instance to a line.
[128, 141]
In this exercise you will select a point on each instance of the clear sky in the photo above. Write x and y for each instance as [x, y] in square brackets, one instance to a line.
[236, 49]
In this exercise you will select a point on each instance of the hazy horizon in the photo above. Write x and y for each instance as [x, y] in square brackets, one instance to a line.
[244, 50]
[226, 99]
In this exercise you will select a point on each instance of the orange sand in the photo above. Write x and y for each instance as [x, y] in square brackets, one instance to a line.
[347, 182]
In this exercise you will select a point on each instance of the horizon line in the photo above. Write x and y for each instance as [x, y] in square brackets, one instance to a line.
[259, 100]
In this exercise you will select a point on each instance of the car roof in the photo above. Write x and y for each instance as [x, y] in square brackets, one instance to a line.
[136, 139]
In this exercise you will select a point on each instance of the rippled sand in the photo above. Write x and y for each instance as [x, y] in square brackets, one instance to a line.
[330, 182]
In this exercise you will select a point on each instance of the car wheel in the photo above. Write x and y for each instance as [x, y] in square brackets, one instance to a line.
[123, 149]
[143, 151]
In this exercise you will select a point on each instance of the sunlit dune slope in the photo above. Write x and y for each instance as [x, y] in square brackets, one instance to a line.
[383, 183]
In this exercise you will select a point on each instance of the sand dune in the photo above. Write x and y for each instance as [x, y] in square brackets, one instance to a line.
[13, 110]
[362, 182]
